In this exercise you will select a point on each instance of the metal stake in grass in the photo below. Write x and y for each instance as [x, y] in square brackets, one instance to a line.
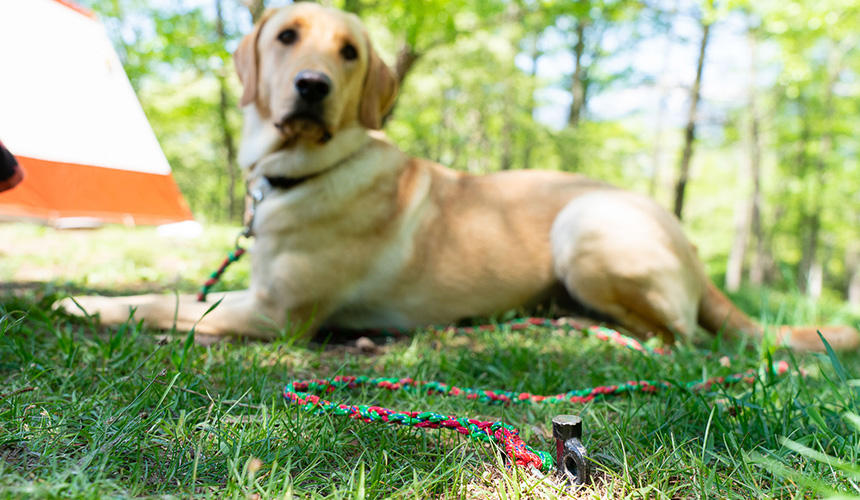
[571, 456]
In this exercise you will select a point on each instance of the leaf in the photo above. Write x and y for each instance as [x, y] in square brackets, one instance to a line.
[849, 468]
[853, 420]
[837, 366]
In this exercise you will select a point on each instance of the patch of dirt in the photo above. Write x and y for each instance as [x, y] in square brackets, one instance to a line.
[18, 457]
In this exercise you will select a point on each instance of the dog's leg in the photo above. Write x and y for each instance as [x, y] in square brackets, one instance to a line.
[637, 308]
[615, 256]
[236, 313]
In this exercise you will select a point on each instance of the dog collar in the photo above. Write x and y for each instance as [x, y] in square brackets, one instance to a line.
[284, 183]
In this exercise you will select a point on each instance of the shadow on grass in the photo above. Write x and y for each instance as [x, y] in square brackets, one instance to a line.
[39, 289]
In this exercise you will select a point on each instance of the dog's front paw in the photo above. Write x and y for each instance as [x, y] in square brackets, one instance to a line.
[108, 309]
[72, 306]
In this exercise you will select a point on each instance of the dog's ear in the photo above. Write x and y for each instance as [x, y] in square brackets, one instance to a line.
[245, 59]
[380, 89]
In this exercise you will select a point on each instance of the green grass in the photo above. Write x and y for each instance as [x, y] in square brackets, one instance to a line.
[115, 260]
[93, 412]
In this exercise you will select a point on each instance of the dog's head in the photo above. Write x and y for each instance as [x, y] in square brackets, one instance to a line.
[310, 71]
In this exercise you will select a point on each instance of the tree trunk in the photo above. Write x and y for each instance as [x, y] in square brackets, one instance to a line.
[805, 231]
[535, 54]
[852, 265]
[809, 258]
[811, 268]
[578, 84]
[229, 144]
[507, 160]
[227, 138]
[735, 265]
[256, 8]
[756, 272]
[748, 213]
[690, 130]
[815, 280]
[407, 56]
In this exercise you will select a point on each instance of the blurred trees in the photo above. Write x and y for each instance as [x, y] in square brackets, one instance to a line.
[772, 194]
[813, 117]
[706, 16]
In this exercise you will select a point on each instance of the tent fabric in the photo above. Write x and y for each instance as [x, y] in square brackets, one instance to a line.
[53, 190]
[74, 122]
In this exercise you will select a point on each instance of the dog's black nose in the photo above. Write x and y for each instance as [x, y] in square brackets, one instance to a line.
[313, 86]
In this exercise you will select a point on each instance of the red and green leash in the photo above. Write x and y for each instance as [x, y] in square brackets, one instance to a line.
[300, 392]
[232, 257]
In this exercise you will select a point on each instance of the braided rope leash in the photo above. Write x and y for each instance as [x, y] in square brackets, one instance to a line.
[300, 392]
[232, 257]
[481, 430]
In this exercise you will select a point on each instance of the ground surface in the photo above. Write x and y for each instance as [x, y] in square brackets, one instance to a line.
[93, 412]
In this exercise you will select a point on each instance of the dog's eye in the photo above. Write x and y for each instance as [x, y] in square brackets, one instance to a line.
[288, 36]
[349, 52]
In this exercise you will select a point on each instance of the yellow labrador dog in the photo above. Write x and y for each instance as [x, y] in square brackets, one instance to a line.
[352, 232]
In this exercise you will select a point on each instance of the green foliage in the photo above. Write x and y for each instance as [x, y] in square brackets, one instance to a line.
[815, 104]
[116, 260]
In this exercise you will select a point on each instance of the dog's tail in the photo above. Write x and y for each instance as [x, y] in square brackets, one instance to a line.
[718, 313]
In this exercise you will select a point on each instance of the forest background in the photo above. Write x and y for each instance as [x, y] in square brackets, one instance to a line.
[740, 116]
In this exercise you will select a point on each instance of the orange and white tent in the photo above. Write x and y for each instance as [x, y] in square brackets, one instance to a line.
[71, 117]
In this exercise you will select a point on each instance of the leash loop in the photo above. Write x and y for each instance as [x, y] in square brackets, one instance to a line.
[571, 456]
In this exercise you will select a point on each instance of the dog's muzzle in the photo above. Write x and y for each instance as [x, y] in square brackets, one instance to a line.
[306, 119]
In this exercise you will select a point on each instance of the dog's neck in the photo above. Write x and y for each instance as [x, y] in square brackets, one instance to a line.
[259, 154]
[302, 160]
